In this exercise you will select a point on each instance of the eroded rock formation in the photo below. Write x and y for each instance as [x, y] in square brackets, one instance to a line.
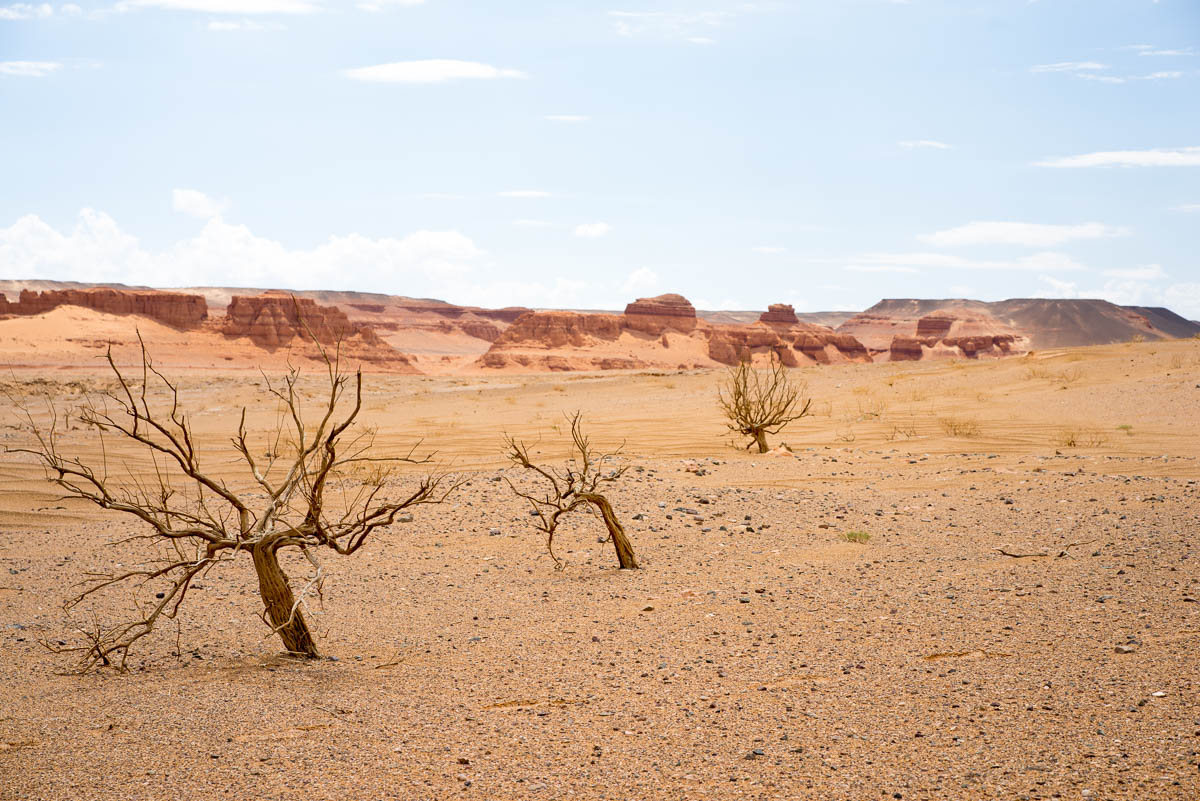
[658, 314]
[172, 308]
[660, 332]
[277, 319]
[273, 319]
[779, 313]
[956, 333]
[561, 329]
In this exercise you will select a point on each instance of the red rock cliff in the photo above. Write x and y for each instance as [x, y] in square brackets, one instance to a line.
[173, 308]
[272, 320]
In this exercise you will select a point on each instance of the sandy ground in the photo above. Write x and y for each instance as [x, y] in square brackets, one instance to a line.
[758, 653]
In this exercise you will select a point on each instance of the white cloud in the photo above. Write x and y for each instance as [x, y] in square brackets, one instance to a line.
[689, 26]
[767, 249]
[1015, 233]
[1160, 157]
[1187, 207]
[592, 230]
[872, 262]
[1151, 50]
[1063, 288]
[525, 193]
[1094, 71]
[97, 250]
[375, 6]
[924, 143]
[1145, 272]
[197, 204]
[26, 11]
[1133, 287]
[1091, 76]
[567, 117]
[241, 25]
[642, 279]
[29, 69]
[225, 6]
[1183, 299]
[880, 268]
[1069, 66]
[433, 70]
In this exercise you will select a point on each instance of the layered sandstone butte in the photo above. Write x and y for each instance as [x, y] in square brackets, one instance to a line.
[658, 314]
[779, 313]
[729, 344]
[277, 319]
[274, 319]
[172, 308]
[555, 329]
[957, 332]
[663, 332]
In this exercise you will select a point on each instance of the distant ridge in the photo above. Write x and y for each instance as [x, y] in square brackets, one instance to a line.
[1043, 322]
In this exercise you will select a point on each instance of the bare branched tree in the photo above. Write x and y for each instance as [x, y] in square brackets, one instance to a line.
[308, 484]
[761, 402]
[574, 487]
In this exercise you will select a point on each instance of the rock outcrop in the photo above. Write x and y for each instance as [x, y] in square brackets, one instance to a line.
[954, 333]
[276, 320]
[560, 330]
[663, 332]
[728, 344]
[272, 320]
[662, 313]
[827, 346]
[779, 313]
[172, 308]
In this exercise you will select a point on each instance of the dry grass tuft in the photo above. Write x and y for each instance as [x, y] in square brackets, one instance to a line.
[959, 426]
[1081, 438]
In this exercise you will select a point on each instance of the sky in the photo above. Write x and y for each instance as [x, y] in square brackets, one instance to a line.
[571, 154]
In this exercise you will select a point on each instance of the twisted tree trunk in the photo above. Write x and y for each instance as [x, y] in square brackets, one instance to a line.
[282, 612]
[615, 529]
[760, 439]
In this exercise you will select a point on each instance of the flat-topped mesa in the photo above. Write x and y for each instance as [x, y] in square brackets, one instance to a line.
[275, 318]
[558, 329]
[779, 313]
[172, 308]
[658, 314]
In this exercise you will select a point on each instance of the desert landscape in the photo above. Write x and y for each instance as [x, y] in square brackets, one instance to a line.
[969, 572]
[664, 400]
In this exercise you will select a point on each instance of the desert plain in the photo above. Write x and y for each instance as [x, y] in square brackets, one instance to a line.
[967, 579]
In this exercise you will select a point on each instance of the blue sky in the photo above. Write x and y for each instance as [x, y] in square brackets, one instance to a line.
[825, 153]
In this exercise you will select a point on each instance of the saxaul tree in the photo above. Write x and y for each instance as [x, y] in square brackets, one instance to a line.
[574, 487]
[311, 482]
[758, 402]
